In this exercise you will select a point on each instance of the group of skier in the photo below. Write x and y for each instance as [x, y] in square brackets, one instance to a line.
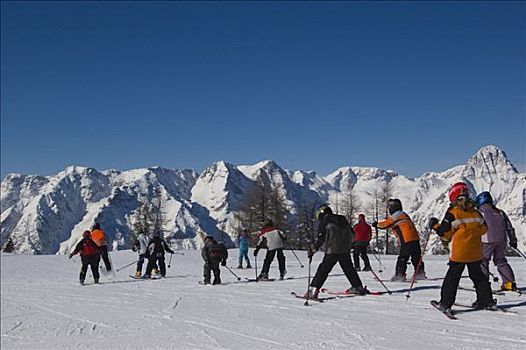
[477, 230]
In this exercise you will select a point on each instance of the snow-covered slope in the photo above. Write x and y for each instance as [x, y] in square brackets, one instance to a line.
[43, 307]
[45, 215]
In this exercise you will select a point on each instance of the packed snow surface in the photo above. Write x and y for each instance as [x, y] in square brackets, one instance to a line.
[44, 307]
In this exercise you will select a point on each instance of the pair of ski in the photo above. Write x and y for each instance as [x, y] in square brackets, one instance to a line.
[451, 314]
[267, 279]
[145, 279]
[333, 295]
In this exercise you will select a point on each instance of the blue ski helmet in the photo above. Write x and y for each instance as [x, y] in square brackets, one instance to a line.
[483, 198]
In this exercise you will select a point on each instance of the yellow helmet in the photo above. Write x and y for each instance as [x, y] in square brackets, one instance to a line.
[322, 211]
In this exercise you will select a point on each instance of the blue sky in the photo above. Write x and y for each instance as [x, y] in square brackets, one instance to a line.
[314, 86]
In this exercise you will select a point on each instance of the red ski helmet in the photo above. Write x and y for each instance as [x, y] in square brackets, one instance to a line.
[457, 190]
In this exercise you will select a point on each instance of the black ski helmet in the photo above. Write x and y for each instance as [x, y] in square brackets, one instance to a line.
[394, 205]
[322, 211]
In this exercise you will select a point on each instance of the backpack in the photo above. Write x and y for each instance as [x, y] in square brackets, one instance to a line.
[218, 251]
[89, 248]
[340, 237]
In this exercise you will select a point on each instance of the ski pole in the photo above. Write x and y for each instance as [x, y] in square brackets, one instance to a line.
[125, 266]
[256, 266]
[232, 272]
[520, 253]
[292, 250]
[380, 270]
[308, 284]
[170, 262]
[408, 295]
[379, 280]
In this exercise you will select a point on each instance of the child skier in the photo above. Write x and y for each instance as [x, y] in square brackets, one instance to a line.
[463, 226]
[155, 255]
[213, 254]
[494, 242]
[404, 228]
[244, 243]
[89, 255]
[272, 239]
[140, 246]
[363, 233]
[335, 236]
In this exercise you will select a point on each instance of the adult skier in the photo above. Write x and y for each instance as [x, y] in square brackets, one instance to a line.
[335, 237]
[244, 243]
[155, 255]
[407, 234]
[213, 253]
[464, 226]
[363, 234]
[272, 239]
[140, 246]
[494, 242]
[99, 237]
[89, 256]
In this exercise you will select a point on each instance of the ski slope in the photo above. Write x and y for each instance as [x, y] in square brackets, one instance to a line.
[44, 307]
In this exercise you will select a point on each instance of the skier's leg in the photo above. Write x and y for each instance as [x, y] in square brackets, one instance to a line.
[83, 270]
[240, 259]
[162, 265]
[499, 259]
[323, 270]
[356, 257]
[416, 254]
[487, 252]
[245, 253]
[206, 272]
[266, 263]
[367, 263]
[448, 293]
[217, 273]
[94, 262]
[348, 269]
[481, 282]
[150, 266]
[140, 262]
[105, 258]
[401, 263]
[281, 262]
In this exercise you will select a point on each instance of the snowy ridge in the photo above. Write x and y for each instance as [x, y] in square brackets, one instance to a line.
[46, 215]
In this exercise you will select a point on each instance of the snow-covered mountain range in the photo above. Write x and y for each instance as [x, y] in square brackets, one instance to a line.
[47, 215]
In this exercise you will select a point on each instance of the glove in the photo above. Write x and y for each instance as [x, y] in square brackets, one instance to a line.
[432, 223]
[134, 249]
[513, 244]
[311, 252]
[375, 224]
[223, 263]
[256, 252]
[70, 256]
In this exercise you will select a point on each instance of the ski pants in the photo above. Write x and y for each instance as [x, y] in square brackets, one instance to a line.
[409, 250]
[140, 262]
[156, 260]
[497, 250]
[104, 255]
[448, 293]
[209, 267]
[326, 265]
[93, 262]
[243, 253]
[361, 251]
[270, 257]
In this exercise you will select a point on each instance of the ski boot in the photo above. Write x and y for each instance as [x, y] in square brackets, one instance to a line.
[312, 295]
[367, 268]
[420, 276]
[81, 282]
[282, 275]
[249, 266]
[492, 306]
[398, 278]
[263, 276]
[358, 290]
[138, 274]
[239, 266]
[509, 286]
